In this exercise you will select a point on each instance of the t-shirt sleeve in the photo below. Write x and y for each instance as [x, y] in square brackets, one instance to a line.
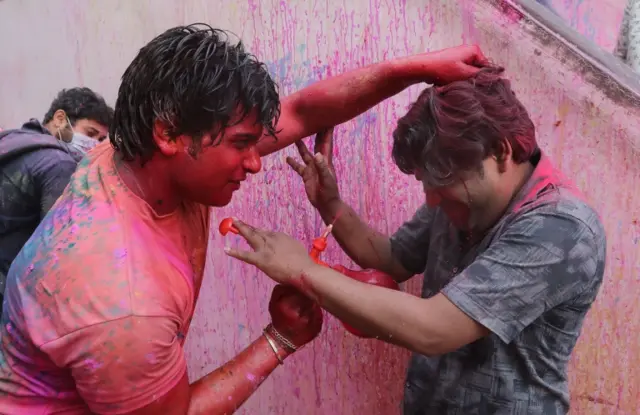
[539, 262]
[410, 243]
[121, 365]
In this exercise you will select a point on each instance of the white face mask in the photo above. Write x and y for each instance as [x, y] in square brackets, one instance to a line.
[80, 144]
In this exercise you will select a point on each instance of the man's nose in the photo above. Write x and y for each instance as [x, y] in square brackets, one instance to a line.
[252, 163]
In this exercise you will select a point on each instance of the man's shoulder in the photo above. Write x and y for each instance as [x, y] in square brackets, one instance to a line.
[37, 160]
[84, 277]
[49, 161]
[24, 142]
[559, 228]
[566, 205]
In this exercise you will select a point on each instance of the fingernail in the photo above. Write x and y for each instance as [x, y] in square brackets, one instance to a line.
[318, 157]
[227, 249]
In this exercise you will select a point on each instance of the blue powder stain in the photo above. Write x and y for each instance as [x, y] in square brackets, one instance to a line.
[367, 120]
[296, 75]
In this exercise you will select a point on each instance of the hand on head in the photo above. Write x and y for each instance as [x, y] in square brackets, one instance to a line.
[317, 172]
[295, 316]
[454, 64]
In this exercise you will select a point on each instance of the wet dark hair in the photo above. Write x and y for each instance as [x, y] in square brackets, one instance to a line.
[195, 80]
[451, 129]
[79, 104]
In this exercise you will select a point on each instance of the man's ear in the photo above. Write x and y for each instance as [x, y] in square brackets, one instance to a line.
[167, 144]
[60, 119]
[503, 155]
[59, 126]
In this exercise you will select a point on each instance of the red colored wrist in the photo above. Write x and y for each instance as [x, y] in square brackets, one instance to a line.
[284, 347]
[279, 353]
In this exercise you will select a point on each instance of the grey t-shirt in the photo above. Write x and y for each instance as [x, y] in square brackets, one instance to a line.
[530, 281]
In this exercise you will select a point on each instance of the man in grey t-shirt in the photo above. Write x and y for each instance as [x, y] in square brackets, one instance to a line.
[512, 256]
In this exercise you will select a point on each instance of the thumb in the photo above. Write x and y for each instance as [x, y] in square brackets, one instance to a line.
[244, 256]
[324, 172]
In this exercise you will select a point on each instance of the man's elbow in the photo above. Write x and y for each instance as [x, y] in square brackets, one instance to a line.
[438, 342]
[432, 346]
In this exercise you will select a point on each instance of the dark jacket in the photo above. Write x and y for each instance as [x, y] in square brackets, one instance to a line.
[35, 168]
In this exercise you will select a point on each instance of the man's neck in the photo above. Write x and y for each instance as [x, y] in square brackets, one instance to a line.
[149, 182]
[503, 199]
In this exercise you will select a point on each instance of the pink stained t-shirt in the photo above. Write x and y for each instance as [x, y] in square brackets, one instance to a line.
[99, 300]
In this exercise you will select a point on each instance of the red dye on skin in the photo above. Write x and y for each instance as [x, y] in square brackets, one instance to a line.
[303, 285]
[368, 276]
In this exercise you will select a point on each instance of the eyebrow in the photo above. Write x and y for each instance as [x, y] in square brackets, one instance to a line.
[245, 136]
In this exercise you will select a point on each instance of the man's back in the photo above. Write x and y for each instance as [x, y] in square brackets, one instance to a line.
[34, 170]
[99, 300]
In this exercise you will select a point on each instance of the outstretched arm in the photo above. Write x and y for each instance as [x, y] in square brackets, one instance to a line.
[507, 287]
[338, 99]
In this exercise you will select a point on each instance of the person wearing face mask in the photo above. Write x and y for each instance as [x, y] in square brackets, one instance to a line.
[81, 144]
[512, 256]
[37, 161]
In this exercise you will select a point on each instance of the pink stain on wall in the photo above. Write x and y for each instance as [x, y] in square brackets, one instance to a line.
[593, 139]
[597, 20]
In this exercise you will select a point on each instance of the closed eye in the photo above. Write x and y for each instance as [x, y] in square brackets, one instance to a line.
[243, 141]
[242, 144]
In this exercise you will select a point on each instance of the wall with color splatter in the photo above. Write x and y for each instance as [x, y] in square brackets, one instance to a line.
[597, 20]
[49, 45]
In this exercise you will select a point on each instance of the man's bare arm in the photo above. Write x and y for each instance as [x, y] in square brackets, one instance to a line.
[367, 247]
[296, 321]
[335, 100]
[222, 391]
[340, 98]
[430, 326]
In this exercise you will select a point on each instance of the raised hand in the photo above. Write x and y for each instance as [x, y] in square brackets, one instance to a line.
[448, 65]
[317, 172]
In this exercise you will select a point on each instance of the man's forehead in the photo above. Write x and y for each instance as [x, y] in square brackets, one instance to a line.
[88, 123]
[247, 125]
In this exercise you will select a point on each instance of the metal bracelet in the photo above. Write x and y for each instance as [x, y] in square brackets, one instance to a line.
[272, 343]
[280, 338]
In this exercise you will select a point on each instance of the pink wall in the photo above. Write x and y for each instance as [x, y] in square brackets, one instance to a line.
[597, 20]
[49, 45]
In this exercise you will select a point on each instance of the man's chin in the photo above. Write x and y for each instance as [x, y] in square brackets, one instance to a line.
[220, 199]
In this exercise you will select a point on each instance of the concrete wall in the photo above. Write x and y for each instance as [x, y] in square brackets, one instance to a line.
[590, 131]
